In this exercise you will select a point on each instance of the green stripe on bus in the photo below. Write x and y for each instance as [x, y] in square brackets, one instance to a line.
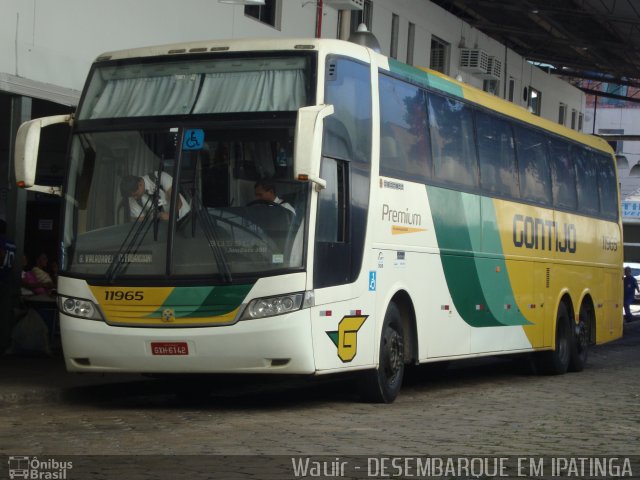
[423, 78]
[479, 285]
[492, 270]
[198, 302]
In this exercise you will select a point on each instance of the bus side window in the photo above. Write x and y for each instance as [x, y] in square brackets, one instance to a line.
[533, 166]
[333, 250]
[563, 176]
[607, 186]
[332, 203]
[587, 181]
[497, 155]
[348, 89]
[452, 141]
[404, 142]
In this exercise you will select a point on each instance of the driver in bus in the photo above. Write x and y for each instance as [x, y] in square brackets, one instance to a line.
[265, 191]
[140, 191]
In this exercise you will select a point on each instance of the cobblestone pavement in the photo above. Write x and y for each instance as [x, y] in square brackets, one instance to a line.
[478, 408]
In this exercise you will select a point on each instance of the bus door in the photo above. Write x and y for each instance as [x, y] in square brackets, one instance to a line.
[343, 321]
[343, 327]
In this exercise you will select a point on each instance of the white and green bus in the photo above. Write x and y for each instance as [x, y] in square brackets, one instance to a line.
[427, 221]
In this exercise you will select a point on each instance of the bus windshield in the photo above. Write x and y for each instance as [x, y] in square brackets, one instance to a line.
[169, 163]
[122, 217]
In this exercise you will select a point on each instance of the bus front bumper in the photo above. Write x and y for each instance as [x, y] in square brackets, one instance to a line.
[280, 344]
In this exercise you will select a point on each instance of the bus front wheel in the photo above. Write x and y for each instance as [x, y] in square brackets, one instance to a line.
[382, 385]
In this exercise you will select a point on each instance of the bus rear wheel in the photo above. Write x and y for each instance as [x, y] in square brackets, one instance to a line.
[556, 362]
[382, 385]
[580, 342]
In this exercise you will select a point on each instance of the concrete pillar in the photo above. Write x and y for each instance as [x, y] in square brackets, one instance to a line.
[17, 197]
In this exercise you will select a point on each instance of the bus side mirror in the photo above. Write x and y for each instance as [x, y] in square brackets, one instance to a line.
[26, 156]
[308, 143]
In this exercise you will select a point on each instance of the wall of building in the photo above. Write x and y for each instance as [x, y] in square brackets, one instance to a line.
[431, 20]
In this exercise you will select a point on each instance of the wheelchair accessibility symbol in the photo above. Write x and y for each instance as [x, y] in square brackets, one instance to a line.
[193, 139]
[372, 281]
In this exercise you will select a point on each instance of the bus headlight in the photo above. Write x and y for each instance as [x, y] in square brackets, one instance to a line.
[78, 307]
[271, 306]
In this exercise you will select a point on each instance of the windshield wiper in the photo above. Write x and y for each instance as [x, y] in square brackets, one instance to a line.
[131, 243]
[155, 200]
[209, 231]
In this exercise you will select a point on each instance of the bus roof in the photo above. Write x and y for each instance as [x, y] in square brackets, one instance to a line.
[235, 45]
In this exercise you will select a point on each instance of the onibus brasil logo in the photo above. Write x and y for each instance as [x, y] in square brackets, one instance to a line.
[346, 337]
[32, 468]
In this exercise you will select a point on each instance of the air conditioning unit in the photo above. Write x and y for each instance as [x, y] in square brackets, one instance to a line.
[474, 60]
[345, 4]
[494, 69]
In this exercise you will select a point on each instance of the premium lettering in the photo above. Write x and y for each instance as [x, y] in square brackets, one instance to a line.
[404, 217]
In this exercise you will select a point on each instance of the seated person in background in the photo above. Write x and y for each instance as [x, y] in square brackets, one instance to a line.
[37, 281]
[266, 191]
[140, 190]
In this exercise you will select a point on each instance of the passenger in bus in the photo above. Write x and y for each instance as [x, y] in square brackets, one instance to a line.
[140, 191]
[630, 289]
[265, 191]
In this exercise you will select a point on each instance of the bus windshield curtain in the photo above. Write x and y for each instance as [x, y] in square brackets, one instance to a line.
[256, 91]
[260, 91]
[137, 97]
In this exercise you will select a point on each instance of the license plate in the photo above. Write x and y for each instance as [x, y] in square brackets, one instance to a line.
[169, 348]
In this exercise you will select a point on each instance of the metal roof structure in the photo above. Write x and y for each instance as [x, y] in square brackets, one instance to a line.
[590, 39]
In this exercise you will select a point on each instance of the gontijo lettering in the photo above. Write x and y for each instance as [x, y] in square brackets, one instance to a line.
[541, 234]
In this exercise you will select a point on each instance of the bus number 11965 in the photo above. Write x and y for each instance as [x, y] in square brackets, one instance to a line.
[117, 295]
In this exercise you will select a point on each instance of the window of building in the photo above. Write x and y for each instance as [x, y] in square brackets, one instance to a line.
[265, 13]
[395, 27]
[580, 120]
[491, 86]
[411, 39]
[362, 16]
[439, 55]
[574, 114]
[535, 101]
[512, 89]
[562, 113]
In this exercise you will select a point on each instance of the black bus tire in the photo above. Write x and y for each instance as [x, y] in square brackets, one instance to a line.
[556, 362]
[383, 384]
[580, 341]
